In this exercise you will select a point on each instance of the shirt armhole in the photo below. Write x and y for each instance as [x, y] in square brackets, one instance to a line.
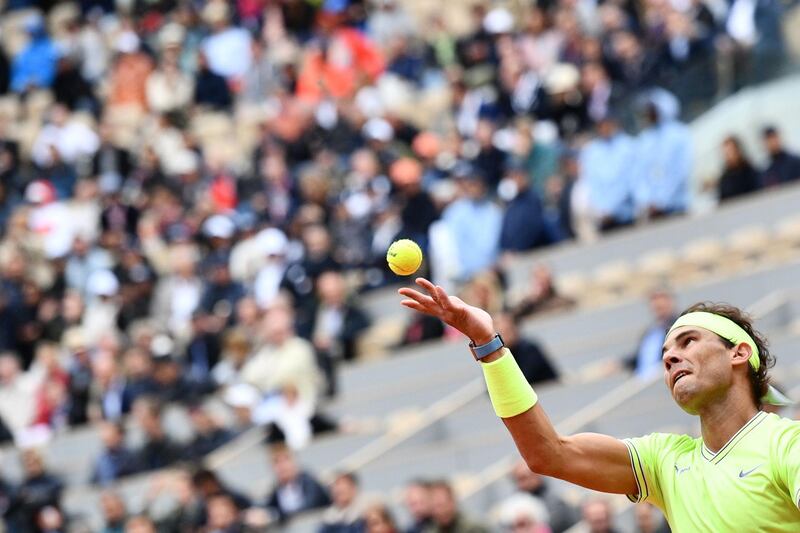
[638, 473]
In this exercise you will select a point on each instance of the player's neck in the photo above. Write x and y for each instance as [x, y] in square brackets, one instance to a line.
[719, 421]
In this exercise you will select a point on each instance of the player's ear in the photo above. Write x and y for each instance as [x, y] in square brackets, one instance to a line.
[740, 354]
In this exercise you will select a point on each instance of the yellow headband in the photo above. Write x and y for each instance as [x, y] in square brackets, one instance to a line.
[724, 327]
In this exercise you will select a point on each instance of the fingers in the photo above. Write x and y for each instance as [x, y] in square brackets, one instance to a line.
[417, 296]
[442, 298]
[416, 306]
[427, 285]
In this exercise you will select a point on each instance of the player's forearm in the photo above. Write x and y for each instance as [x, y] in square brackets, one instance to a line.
[537, 440]
[575, 458]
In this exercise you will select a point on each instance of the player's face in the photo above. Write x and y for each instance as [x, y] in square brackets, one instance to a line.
[697, 367]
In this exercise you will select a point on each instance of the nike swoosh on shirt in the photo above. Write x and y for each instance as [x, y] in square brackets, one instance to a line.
[742, 473]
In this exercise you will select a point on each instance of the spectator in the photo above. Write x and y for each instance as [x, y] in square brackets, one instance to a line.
[116, 460]
[597, 516]
[209, 434]
[140, 524]
[228, 47]
[295, 491]
[38, 491]
[114, 512]
[783, 166]
[128, 74]
[272, 243]
[188, 513]
[78, 366]
[50, 520]
[606, 165]
[523, 226]
[168, 88]
[378, 519]
[210, 89]
[158, 449]
[417, 501]
[284, 358]
[208, 484]
[223, 515]
[35, 65]
[102, 305]
[202, 352]
[445, 513]
[236, 348]
[51, 398]
[474, 222]
[17, 392]
[63, 140]
[646, 361]
[664, 160]
[178, 295]
[529, 355]
[337, 325]
[541, 295]
[485, 290]
[345, 515]
[524, 513]
[649, 519]
[738, 177]
[108, 397]
[417, 210]
[562, 516]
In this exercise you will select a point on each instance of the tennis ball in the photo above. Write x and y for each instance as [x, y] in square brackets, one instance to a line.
[404, 257]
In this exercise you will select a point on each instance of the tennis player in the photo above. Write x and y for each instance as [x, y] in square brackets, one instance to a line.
[742, 474]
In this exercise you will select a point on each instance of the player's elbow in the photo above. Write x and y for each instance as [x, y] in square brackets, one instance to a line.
[544, 466]
[547, 461]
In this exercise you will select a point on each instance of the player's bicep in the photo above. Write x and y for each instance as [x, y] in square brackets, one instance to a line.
[598, 462]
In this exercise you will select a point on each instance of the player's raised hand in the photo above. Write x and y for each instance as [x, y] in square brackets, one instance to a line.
[472, 321]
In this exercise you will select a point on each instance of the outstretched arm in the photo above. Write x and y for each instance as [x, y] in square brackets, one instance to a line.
[597, 462]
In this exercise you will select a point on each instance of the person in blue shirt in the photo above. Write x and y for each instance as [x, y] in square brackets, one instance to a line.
[523, 226]
[35, 65]
[646, 361]
[606, 163]
[474, 222]
[664, 160]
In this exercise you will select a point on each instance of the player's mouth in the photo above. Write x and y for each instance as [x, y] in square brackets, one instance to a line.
[678, 375]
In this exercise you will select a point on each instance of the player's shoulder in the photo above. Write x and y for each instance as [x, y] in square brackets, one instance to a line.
[663, 443]
[782, 429]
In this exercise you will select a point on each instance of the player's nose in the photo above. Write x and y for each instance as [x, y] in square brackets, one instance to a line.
[671, 357]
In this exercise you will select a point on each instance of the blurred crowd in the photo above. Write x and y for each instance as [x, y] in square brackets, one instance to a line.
[183, 500]
[194, 193]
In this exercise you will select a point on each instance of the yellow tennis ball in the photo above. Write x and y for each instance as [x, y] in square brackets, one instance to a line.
[404, 257]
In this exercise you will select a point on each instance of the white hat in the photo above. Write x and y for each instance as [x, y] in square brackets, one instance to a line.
[172, 34]
[241, 395]
[498, 20]
[219, 226]
[39, 192]
[378, 129]
[127, 42]
[102, 283]
[522, 505]
[272, 241]
[183, 162]
[562, 77]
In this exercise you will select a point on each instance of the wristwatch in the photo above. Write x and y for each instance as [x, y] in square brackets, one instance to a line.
[479, 352]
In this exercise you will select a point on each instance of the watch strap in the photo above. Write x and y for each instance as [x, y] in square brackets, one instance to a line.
[479, 352]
